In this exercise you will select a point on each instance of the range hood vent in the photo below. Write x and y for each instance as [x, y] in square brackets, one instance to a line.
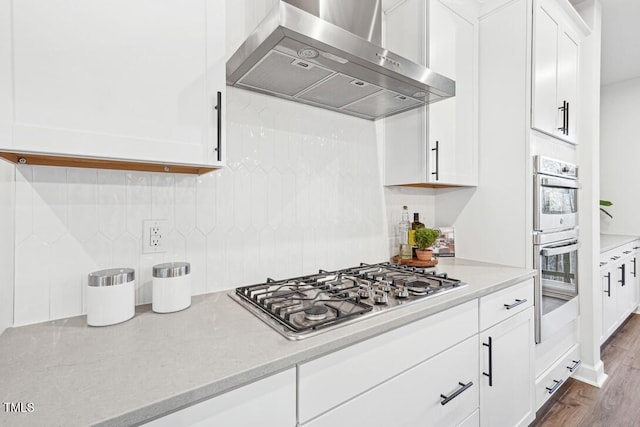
[325, 53]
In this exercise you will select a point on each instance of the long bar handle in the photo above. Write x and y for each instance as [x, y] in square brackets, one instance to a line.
[463, 387]
[558, 250]
[437, 150]
[564, 117]
[608, 291]
[576, 365]
[218, 109]
[490, 373]
[515, 304]
[557, 384]
[622, 269]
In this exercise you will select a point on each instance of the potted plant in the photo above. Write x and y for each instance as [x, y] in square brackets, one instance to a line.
[425, 237]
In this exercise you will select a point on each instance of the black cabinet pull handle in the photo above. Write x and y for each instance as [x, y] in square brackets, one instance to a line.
[622, 271]
[463, 387]
[626, 252]
[608, 291]
[576, 364]
[437, 149]
[515, 304]
[566, 127]
[564, 117]
[634, 266]
[490, 373]
[218, 108]
[557, 384]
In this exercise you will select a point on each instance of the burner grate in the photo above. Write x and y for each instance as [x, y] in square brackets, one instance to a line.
[305, 305]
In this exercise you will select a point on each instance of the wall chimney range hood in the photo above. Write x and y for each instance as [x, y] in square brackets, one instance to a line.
[326, 53]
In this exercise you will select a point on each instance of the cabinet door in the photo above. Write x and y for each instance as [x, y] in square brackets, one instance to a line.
[545, 114]
[118, 79]
[415, 397]
[609, 302]
[622, 289]
[269, 402]
[507, 373]
[555, 72]
[452, 123]
[568, 81]
[411, 156]
[405, 134]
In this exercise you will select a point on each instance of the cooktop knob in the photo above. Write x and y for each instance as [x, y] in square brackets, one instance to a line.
[384, 286]
[402, 292]
[381, 298]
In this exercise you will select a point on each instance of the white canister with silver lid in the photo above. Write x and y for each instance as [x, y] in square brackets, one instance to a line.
[110, 296]
[171, 287]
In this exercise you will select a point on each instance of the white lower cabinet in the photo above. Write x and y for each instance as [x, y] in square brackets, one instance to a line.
[334, 380]
[620, 283]
[269, 402]
[507, 372]
[553, 378]
[442, 391]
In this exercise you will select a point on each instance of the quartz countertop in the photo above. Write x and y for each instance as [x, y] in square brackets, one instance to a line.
[155, 363]
[612, 241]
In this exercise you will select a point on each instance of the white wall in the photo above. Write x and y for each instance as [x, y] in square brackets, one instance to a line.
[619, 154]
[6, 244]
[6, 178]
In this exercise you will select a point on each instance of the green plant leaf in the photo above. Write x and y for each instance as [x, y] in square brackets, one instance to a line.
[605, 203]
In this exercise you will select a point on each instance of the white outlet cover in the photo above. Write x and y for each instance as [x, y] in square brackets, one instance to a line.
[147, 225]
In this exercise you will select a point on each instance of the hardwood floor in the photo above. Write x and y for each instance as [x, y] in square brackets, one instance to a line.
[617, 403]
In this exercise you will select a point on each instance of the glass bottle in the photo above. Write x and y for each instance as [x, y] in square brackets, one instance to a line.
[403, 231]
[414, 226]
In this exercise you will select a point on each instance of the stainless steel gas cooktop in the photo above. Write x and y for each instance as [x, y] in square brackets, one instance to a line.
[304, 306]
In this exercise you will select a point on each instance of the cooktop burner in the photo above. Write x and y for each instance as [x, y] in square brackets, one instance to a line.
[304, 306]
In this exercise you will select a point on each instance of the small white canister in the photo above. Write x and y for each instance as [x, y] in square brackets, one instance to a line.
[171, 287]
[111, 296]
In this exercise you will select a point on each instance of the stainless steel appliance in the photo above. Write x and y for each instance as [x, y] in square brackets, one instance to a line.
[555, 195]
[327, 53]
[305, 306]
[556, 284]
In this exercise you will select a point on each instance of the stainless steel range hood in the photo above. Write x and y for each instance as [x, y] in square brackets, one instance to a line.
[326, 53]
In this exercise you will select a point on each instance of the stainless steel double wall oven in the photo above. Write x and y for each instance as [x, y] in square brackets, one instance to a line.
[556, 244]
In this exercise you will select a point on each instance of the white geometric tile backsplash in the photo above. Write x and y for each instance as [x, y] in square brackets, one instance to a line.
[302, 190]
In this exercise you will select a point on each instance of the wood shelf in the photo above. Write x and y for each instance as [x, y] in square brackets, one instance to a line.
[44, 159]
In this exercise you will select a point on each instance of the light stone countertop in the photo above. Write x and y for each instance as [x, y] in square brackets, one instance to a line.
[155, 363]
[612, 241]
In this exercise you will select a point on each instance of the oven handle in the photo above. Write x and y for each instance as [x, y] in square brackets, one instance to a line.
[557, 250]
[559, 182]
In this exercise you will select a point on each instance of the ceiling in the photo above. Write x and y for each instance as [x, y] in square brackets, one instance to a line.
[620, 40]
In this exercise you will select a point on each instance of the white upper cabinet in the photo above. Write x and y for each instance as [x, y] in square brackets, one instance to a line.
[436, 145]
[136, 81]
[555, 71]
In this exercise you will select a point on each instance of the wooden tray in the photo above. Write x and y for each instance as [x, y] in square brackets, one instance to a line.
[415, 262]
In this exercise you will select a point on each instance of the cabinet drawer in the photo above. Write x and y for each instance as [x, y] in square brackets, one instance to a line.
[416, 396]
[503, 304]
[548, 383]
[374, 361]
[270, 401]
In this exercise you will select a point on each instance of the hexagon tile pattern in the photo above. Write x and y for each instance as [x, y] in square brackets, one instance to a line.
[302, 190]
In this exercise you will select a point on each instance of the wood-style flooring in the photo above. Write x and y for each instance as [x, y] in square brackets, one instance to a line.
[617, 403]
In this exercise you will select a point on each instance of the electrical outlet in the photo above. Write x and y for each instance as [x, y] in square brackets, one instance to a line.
[153, 236]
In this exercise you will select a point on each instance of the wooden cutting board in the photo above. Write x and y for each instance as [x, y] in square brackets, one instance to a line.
[415, 262]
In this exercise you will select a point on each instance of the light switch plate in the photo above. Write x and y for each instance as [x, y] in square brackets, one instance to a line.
[153, 236]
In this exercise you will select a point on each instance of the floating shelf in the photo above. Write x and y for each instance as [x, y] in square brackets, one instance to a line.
[44, 159]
